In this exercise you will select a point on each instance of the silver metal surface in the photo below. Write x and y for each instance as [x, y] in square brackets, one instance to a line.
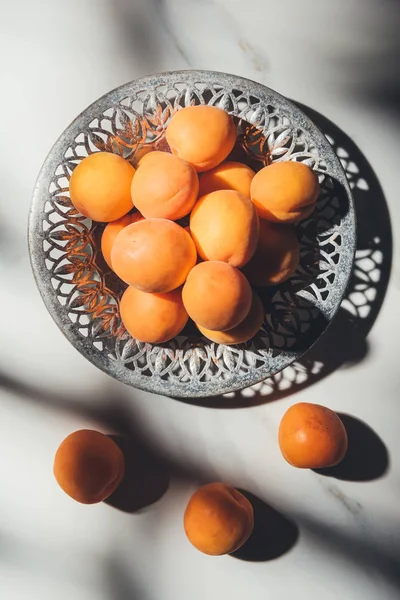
[82, 294]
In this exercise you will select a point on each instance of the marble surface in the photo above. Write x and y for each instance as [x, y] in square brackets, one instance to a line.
[319, 536]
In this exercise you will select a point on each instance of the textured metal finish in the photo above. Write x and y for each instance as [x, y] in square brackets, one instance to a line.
[82, 295]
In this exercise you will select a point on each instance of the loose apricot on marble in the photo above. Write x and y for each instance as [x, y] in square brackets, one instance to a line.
[276, 257]
[243, 332]
[153, 318]
[201, 135]
[100, 186]
[153, 255]
[312, 436]
[285, 192]
[228, 175]
[88, 466]
[218, 519]
[112, 230]
[224, 226]
[216, 295]
[164, 186]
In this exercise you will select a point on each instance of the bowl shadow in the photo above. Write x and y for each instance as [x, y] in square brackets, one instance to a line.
[345, 340]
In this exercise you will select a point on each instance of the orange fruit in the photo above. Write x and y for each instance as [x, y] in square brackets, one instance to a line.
[153, 255]
[153, 318]
[224, 226]
[277, 255]
[201, 135]
[312, 436]
[218, 519]
[100, 186]
[228, 175]
[216, 295]
[164, 186]
[112, 230]
[88, 466]
[285, 192]
[243, 332]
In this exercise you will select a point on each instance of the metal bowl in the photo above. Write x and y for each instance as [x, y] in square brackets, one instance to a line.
[82, 294]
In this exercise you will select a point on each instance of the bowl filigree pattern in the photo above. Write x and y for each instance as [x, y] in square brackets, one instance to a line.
[82, 294]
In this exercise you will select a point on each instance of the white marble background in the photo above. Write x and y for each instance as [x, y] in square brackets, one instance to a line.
[338, 57]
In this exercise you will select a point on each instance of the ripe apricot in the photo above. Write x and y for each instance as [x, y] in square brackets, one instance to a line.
[153, 255]
[216, 295]
[312, 436]
[100, 186]
[228, 175]
[285, 192]
[276, 257]
[224, 226]
[112, 230]
[88, 466]
[164, 186]
[242, 332]
[201, 135]
[153, 318]
[218, 519]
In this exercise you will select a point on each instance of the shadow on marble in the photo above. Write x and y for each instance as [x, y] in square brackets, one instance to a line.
[367, 457]
[121, 583]
[144, 31]
[137, 32]
[273, 535]
[364, 553]
[146, 479]
[373, 73]
[148, 470]
[344, 343]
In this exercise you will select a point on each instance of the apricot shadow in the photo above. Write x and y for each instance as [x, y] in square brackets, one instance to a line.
[273, 535]
[367, 457]
[146, 477]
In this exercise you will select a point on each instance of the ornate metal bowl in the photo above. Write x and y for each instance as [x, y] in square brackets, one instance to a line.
[82, 294]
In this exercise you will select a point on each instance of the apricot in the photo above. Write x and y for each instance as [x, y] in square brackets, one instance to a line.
[153, 318]
[164, 186]
[201, 135]
[312, 436]
[276, 257]
[285, 192]
[243, 332]
[228, 175]
[153, 255]
[218, 519]
[216, 295]
[224, 226]
[88, 466]
[112, 230]
[100, 186]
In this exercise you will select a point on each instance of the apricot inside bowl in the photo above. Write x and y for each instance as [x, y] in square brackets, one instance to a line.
[82, 293]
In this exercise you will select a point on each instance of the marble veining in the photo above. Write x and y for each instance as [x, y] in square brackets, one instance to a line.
[339, 538]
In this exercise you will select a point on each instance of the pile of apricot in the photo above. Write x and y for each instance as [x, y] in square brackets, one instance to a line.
[240, 229]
